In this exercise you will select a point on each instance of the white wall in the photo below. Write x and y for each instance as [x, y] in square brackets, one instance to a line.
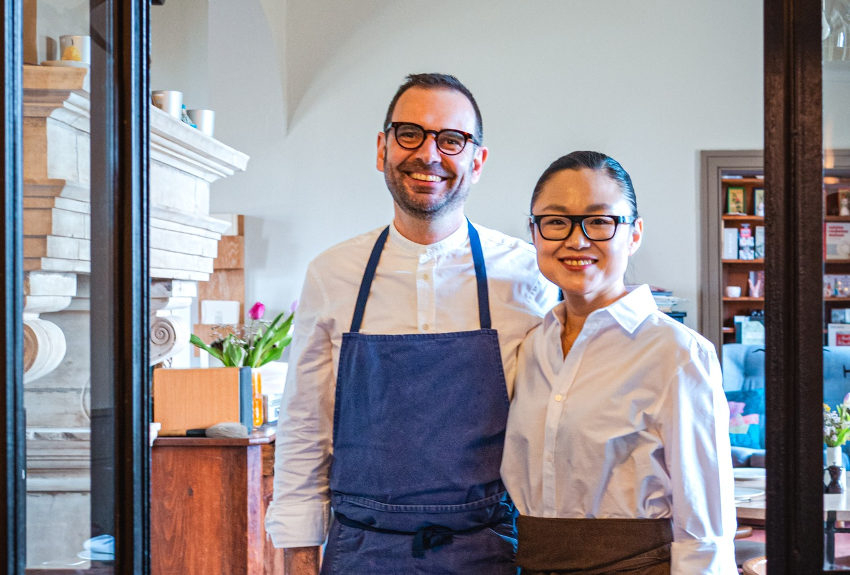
[650, 83]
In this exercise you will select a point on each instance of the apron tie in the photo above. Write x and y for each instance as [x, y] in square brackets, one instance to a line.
[424, 538]
[431, 537]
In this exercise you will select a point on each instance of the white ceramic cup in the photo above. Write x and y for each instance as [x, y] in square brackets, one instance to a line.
[204, 120]
[75, 48]
[733, 291]
[170, 101]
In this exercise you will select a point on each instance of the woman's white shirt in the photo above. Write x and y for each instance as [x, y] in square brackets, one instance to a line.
[633, 423]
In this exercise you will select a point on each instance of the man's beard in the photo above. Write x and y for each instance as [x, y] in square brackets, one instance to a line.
[428, 209]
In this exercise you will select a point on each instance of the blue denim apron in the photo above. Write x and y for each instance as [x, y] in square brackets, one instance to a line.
[419, 424]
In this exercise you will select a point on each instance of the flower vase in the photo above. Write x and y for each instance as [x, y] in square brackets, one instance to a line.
[834, 480]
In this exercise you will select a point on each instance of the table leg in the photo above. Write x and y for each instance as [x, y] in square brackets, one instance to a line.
[830, 538]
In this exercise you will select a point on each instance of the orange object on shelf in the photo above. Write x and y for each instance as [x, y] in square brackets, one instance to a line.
[257, 388]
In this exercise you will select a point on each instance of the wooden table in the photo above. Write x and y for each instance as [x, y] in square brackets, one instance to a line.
[836, 507]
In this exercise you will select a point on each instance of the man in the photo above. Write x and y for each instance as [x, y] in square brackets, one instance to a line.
[396, 401]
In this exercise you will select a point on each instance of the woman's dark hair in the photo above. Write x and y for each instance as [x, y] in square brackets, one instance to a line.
[432, 82]
[591, 161]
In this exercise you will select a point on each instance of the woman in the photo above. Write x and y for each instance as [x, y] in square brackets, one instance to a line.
[617, 448]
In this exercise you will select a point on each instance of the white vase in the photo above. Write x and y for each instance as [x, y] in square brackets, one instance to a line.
[834, 480]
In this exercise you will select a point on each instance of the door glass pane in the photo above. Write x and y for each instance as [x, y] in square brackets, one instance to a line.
[836, 269]
[69, 519]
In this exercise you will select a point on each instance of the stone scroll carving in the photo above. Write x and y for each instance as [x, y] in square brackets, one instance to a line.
[169, 336]
[44, 348]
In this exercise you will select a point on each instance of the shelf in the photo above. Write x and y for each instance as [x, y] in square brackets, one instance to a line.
[836, 299]
[747, 299]
[755, 262]
[743, 181]
[828, 262]
[728, 330]
[746, 218]
[836, 218]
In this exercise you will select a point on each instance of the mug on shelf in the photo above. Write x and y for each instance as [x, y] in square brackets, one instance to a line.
[204, 120]
[733, 291]
[170, 101]
[75, 48]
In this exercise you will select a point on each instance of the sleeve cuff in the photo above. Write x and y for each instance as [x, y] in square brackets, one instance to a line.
[706, 556]
[302, 525]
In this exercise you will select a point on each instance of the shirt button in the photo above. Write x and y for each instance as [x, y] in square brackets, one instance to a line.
[425, 277]
[559, 397]
[425, 327]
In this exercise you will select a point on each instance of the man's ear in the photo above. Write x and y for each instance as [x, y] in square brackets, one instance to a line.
[382, 150]
[478, 162]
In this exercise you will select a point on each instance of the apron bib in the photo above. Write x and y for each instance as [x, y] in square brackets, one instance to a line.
[419, 425]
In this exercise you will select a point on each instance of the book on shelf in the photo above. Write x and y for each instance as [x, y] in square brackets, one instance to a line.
[730, 243]
[840, 315]
[735, 202]
[759, 243]
[838, 334]
[746, 243]
[836, 285]
[836, 240]
[749, 330]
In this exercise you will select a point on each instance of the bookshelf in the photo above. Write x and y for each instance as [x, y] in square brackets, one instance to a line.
[741, 171]
[742, 263]
[836, 269]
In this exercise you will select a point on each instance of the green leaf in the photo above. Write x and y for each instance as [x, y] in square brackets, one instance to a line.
[233, 353]
[198, 342]
[272, 341]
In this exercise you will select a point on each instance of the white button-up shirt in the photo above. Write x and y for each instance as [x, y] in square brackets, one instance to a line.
[417, 289]
[633, 423]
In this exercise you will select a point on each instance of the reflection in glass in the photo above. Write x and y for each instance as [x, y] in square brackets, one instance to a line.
[57, 256]
[836, 275]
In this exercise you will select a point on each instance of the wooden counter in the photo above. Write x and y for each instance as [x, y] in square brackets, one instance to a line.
[208, 504]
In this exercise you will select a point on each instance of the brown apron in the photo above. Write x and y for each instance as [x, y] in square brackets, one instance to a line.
[551, 546]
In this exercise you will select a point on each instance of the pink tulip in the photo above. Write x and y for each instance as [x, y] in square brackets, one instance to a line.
[293, 306]
[257, 311]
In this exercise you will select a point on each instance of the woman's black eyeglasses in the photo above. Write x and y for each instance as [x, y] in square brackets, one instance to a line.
[598, 228]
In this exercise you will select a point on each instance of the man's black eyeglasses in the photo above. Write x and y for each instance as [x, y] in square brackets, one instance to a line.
[410, 136]
[598, 228]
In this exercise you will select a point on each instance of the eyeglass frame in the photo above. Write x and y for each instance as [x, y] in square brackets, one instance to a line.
[466, 135]
[535, 220]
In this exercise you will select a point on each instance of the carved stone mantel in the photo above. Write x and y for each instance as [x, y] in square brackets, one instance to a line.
[57, 223]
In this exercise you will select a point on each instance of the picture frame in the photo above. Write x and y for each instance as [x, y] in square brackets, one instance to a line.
[758, 202]
[735, 203]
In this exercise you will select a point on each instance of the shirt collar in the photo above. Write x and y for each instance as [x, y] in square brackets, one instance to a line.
[456, 240]
[629, 311]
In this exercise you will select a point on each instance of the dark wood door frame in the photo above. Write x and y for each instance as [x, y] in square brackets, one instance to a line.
[793, 265]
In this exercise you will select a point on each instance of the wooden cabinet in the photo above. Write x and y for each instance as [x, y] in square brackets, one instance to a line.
[208, 503]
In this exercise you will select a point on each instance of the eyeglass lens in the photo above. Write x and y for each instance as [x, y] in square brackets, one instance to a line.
[411, 136]
[557, 228]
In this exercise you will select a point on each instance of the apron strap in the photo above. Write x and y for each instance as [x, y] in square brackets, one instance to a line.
[366, 283]
[372, 266]
[480, 276]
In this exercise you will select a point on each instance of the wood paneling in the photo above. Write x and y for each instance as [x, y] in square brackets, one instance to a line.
[231, 253]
